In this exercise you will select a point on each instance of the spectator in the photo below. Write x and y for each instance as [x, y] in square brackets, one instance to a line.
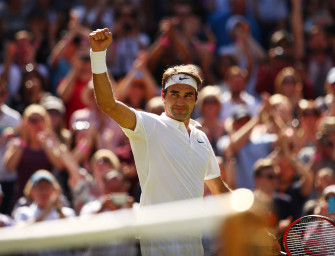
[9, 122]
[248, 53]
[209, 106]
[271, 16]
[218, 21]
[289, 83]
[236, 79]
[199, 39]
[87, 184]
[266, 174]
[295, 181]
[323, 178]
[155, 105]
[56, 111]
[110, 135]
[26, 53]
[283, 113]
[22, 55]
[33, 88]
[306, 133]
[5, 219]
[129, 40]
[33, 149]
[168, 48]
[94, 14]
[76, 80]
[114, 197]
[138, 86]
[247, 141]
[10, 73]
[63, 54]
[286, 49]
[44, 192]
[326, 204]
[14, 16]
[222, 62]
[52, 19]
[326, 103]
[319, 58]
[318, 13]
[38, 25]
[324, 154]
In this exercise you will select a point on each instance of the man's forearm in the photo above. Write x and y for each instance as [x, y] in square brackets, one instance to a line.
[104, 92]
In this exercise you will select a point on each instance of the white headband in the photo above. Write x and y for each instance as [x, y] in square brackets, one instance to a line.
[181, 79]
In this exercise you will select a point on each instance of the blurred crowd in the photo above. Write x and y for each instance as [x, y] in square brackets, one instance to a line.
[266, 103]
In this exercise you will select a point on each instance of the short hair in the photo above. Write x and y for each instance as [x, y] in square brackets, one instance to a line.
[262, 164]
[188, 69]
[236, 71]
[37, 109]
[287, 72]
[155, 103]
[113, 158]
[208, 92]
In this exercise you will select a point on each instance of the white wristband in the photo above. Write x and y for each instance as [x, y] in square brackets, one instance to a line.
[98, 62]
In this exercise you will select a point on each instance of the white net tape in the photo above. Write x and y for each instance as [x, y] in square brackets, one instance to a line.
[191, 215]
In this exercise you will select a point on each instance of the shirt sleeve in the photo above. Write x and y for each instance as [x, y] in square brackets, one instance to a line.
[145, 124]
[213, 170]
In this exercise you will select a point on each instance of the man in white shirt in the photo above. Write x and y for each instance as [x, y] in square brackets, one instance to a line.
[173, 158]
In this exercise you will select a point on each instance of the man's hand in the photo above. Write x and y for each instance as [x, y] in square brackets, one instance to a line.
[100, 39]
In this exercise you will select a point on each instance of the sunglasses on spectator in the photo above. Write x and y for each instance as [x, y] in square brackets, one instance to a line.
[211, 101]
[270, 176]
[35, 119]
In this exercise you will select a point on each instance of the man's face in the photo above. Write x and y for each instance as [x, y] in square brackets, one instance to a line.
[179, 101]
[236, 84]
[268, 180]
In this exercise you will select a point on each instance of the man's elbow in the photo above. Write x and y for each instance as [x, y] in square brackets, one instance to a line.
[107, 106]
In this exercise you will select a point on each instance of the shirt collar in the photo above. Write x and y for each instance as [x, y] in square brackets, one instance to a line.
[177, 124]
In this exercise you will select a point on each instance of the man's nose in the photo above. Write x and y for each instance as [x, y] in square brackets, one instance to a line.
[180, 100]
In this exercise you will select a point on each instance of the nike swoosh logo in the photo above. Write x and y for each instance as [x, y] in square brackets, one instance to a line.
[183, 78]
[200, 141]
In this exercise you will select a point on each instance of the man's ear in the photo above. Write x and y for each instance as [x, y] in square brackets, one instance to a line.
[163, 95]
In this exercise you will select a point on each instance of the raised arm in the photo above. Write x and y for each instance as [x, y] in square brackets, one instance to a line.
[100, 39]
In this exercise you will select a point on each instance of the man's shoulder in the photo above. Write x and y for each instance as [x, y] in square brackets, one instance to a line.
[147, 116]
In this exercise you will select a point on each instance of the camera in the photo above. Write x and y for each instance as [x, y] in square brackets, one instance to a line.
[119, 198]
[127, 26]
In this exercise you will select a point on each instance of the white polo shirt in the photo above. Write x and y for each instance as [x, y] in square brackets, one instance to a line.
[171, 164]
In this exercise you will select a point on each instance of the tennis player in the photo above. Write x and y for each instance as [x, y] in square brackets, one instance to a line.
[173, 158]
